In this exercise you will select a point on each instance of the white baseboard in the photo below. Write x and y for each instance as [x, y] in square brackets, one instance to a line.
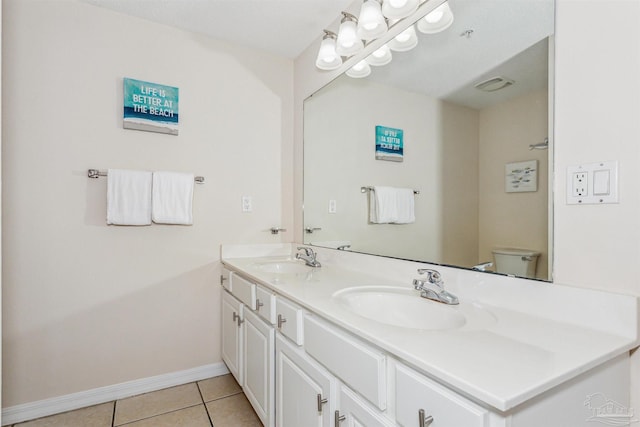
[69, 402]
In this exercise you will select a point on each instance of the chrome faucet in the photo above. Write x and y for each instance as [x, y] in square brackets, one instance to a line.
[482, 266]
[433, 287]
[309, 256]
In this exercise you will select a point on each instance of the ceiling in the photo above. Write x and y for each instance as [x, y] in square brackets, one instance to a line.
[508, 39]
[281, 27]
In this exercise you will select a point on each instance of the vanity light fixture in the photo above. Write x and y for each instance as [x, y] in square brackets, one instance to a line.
[439, 19]
[348, 43]
[379, 57]
[360, 70]
[371, 23]
[328, 59]
[404, 41]
[398, 9]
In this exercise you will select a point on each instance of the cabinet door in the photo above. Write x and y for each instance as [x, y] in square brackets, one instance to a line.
[259, 343]
[358, 413]
[232, 318]
[415, 392]
[305, 392]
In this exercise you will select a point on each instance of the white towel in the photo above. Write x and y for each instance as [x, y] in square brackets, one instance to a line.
[389, 205]
[405, 202]
[128, 197]
[382, 205]
[172, 200]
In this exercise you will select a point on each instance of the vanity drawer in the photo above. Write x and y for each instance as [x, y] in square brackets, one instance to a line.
[244, 290]
[360, 366]
[415, 392]
[266, 304]
[289, 320]
[224, 279]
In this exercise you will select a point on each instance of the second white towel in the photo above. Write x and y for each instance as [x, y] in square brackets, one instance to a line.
[172, 198]
[390, 205]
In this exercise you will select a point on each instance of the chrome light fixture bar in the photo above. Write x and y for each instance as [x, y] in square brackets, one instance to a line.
[372, 24]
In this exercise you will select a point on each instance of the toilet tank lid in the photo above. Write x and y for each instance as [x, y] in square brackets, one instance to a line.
[514, 251]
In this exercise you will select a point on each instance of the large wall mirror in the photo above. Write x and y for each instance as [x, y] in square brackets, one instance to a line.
[478, 158]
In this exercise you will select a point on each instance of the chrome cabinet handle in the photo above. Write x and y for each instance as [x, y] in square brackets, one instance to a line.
[281, 320]
[222, 279]
[259, 304]
[321, 402]
[424, 421]
[236, 318]
[337, 419]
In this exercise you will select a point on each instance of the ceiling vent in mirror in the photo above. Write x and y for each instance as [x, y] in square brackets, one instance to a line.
[494, 83]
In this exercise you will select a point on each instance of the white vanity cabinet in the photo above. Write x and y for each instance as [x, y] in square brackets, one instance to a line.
[303, 365]
[305, 391]
[259, 366]
[248, 342]
[232, 336]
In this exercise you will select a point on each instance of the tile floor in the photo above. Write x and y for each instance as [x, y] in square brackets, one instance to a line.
[217, 402]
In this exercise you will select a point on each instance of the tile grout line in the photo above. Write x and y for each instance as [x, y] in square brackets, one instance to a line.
[159, 415]
[204, 403]
[113, 413]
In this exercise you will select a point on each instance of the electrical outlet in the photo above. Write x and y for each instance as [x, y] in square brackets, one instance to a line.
[580, 184]
[247, 204]
[592, 183]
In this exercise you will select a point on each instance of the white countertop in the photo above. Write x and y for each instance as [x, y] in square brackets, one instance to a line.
[541, 334]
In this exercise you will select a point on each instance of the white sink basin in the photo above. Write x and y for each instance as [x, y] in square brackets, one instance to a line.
[284, 267]
[406, 309]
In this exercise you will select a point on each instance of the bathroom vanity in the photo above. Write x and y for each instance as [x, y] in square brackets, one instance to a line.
[351, 343]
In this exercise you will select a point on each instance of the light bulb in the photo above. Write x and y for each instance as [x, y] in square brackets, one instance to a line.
[348, 43]
[327, 58]
[371, 23]
[434, 16]
[404, 41]
[360, 70]
[381, 56]
[439, 19]
[398, 9]
[403, 36]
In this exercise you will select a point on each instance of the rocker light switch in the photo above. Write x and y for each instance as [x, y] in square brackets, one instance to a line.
[601, 183]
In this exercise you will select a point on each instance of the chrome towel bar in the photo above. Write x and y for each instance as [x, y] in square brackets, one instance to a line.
[365, 189]
[95, 173]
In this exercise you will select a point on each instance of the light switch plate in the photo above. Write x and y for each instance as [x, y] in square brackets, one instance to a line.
[592, 183]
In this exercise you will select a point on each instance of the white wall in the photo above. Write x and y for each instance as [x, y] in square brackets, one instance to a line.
[597, 111]
[340, 158]
[88, 305]
[514, 220]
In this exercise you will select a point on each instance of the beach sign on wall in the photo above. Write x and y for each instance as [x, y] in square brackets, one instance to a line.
[389, 144]
[150, 107]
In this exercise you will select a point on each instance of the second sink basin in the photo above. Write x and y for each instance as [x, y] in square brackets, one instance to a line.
[284, 267]
[405, 308]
